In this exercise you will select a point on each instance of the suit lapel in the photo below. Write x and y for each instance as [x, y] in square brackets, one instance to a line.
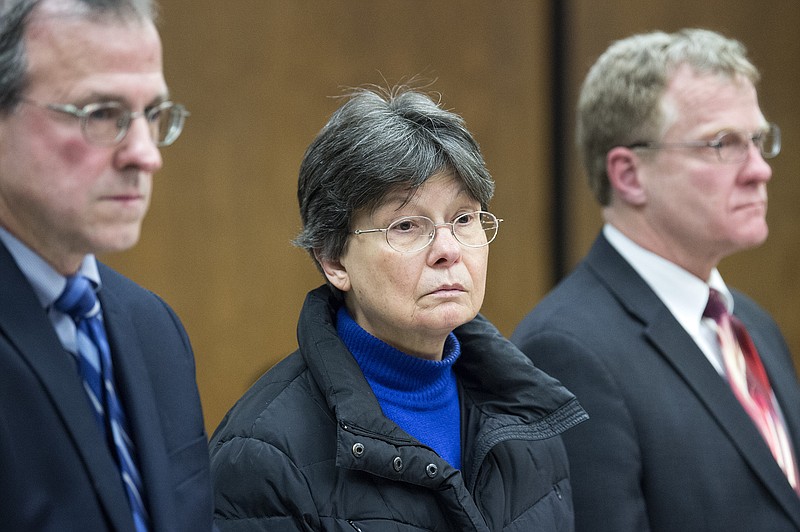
[27, 327]
[673, 343]
[136, 392]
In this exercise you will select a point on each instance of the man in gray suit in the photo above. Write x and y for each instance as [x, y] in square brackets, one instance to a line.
[675, 147]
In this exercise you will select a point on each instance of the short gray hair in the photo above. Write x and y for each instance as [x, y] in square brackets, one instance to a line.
[15, 16]
[620, 101]
[380, 141]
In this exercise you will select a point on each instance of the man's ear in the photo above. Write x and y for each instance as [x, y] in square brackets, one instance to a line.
[335, 272]
[623, 167]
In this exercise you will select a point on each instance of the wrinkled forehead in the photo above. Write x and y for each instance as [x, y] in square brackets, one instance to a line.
[696, 96]
[61, 16]
[130, 11]
[74, 57]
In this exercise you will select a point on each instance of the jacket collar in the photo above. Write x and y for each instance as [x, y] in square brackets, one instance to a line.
[335, 370]
[508, 391]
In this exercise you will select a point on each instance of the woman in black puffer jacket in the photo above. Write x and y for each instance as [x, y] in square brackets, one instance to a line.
[401, 410]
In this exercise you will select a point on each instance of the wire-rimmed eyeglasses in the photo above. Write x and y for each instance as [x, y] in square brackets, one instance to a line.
[731, 146]
[107, 123]
[414, 233]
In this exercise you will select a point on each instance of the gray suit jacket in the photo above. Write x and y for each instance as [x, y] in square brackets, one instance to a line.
[667, 446]
[56, 471]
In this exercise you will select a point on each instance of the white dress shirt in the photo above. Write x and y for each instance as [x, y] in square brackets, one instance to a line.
[684, 294]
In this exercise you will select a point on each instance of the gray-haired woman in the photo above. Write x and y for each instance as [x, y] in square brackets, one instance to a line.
[401, 410]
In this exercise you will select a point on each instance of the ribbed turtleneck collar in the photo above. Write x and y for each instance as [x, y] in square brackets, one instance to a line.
[393, 370]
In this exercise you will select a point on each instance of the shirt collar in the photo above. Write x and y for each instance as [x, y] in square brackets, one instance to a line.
[47, 283]
[684, 294]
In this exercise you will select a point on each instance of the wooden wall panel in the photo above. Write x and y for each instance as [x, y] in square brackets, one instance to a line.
[257, 76]
[769, 30]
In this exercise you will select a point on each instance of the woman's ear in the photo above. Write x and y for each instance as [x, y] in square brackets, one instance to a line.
[335, 272]
[623, 167]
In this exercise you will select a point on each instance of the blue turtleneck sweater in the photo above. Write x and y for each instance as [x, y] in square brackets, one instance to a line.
[419, 395]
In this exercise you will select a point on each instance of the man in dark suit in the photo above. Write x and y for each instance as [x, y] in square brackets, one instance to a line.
[83, 112]
[674, 143]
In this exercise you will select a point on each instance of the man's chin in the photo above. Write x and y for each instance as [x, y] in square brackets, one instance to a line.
[116, 242]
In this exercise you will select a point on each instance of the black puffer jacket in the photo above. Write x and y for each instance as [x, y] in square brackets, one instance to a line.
[308, 448]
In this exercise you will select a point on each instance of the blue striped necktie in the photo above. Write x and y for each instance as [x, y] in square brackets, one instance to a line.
[94, 365]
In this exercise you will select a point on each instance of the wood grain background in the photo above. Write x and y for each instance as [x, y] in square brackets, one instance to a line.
[261, 77]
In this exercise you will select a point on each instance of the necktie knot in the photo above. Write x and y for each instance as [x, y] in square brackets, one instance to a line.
[716, 307]
[78, 299]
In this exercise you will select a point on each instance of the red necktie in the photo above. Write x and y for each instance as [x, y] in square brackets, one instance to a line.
[750, 383]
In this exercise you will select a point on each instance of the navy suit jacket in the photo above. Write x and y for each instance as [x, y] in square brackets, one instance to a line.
[667, 446]
[56, 471]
